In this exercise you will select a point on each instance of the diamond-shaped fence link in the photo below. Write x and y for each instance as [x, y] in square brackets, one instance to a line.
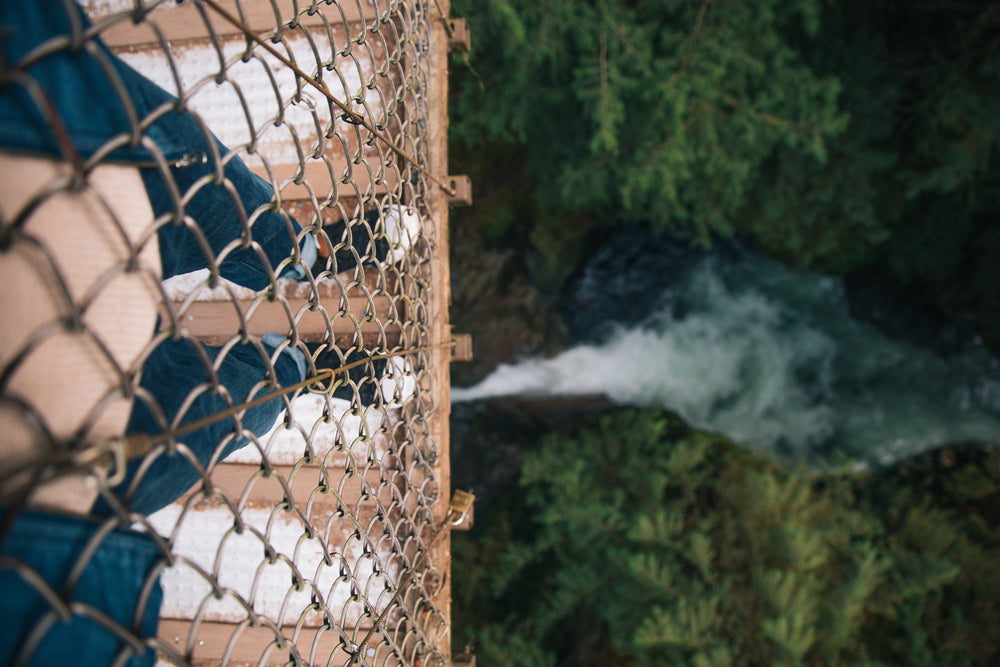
[222, 333]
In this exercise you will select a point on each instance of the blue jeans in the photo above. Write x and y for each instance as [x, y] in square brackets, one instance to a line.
[78, 93]
[111, 583]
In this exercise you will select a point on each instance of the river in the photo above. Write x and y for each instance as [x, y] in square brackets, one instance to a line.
[771, 357]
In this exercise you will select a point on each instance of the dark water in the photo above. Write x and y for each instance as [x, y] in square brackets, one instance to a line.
[773, 358]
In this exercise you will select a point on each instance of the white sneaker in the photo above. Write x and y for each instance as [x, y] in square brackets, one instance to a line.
[402, 228]
[398, 382]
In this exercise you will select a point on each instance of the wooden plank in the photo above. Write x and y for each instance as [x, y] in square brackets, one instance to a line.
[212, 320]
[185, 21]
[234, 479]
[353, 180]
[208, 643]
[363, 567]
[437, 626]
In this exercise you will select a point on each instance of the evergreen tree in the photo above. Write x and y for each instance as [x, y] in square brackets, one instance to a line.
[658, 111]
[647, 544]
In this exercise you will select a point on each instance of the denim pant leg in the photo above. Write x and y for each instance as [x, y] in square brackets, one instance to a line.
[69, 83]
[223, 210]
[171, 373]
[112, 581]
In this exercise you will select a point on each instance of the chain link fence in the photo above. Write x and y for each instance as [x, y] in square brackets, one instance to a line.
[224, 336]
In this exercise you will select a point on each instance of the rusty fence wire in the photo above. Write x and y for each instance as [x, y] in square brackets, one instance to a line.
[221, 334]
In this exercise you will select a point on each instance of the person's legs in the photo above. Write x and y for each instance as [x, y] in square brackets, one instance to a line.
[216, 204]
[360, 382]
[69, 105]
[216, 213]
[73, 591]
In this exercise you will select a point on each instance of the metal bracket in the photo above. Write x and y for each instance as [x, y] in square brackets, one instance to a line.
[461, 185]
[459, 37]
[461, 349]
[460, 505]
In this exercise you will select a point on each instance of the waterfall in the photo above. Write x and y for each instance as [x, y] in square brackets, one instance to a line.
[770, 357]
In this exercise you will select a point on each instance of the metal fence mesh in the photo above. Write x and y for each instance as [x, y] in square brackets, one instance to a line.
[222, 334]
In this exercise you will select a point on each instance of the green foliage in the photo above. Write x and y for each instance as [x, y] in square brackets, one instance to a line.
[836, 215]
[644, 543]
[658, 111]
[497, 646]
[836, 136]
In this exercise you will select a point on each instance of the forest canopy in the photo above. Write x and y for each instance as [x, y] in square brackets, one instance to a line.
[836, 136]
[661, 110]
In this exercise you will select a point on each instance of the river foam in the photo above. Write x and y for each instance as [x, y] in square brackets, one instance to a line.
[741, 345]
